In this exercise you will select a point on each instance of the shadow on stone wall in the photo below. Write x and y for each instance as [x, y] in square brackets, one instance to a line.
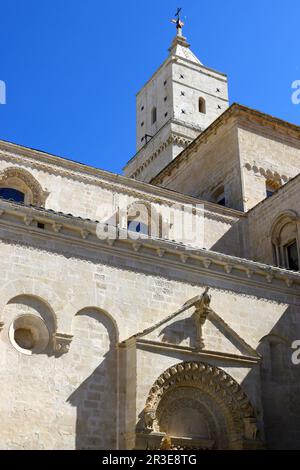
[280, 383]
[96, 398]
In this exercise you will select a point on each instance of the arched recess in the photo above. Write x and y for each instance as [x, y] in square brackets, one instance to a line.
[32, 288]
[201, 404]
[28, 366]
[276, 356]
[24, 182]
[284, 234]
[94, 352]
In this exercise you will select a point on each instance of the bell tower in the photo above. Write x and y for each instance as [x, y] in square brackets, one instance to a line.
[181, 99]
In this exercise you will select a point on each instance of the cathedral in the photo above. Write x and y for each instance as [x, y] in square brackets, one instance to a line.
[118, 333]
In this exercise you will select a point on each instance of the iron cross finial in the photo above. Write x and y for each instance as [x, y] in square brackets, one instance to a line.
[178, 13]
[178, 22]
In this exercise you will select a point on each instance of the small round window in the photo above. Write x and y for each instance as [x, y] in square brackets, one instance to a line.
[29, 334]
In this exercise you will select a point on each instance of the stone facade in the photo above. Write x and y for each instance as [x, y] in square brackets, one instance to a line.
[120, 343]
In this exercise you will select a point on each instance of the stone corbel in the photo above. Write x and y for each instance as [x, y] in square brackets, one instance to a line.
[61, 343]
[202, 310]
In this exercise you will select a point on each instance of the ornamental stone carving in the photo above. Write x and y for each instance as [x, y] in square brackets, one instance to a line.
[61, 343]
[211, 392]
[149, 416]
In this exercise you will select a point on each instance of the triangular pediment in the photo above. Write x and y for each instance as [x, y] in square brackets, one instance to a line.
[179, 331]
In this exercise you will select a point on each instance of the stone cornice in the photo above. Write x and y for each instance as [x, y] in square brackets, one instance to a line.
[177, 139]
[174, 121]
[19, 220]
[234, 111]
[57, 166]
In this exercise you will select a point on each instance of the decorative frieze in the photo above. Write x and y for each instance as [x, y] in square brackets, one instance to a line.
[267, 173]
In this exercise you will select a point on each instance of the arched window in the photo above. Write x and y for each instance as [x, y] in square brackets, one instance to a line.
[284, 237]
[12, 194]
[153, 115]
[19, 185]
[202, 105]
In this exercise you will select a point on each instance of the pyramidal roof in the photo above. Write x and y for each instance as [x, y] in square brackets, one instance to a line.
[181, 48]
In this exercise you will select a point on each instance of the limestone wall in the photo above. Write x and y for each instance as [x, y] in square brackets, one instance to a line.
[211, 166]
[265, 155]
[68, 400]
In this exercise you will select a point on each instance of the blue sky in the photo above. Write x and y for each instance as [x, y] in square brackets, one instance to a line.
[72, 67]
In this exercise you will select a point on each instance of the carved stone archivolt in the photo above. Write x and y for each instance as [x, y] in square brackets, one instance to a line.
[24, 181]
[228, 416]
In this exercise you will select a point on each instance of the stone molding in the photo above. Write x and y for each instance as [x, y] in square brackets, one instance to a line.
[204, 355]
[246, 271]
